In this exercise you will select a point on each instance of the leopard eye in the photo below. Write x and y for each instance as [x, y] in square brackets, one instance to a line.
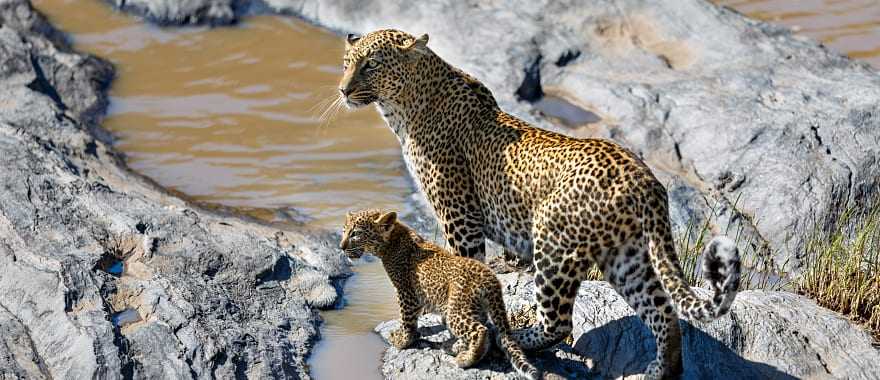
[372, 64]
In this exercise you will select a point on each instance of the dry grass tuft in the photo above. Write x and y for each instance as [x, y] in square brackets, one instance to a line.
[842, 266]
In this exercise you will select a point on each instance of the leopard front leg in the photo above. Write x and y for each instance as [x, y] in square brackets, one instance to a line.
[455, 202]
[463, 229]
[408, 333]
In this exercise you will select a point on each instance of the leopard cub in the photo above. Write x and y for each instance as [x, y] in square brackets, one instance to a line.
[430, 279]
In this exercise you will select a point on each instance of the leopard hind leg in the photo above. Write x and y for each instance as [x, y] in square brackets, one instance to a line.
[631, 274]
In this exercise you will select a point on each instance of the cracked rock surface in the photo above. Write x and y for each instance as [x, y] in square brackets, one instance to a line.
[769, 130]
[767, 335]
[103, 274]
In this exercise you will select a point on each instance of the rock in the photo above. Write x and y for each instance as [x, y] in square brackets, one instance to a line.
[105, 275]
[76, 82]
[767, 335]
[184, 12]
[740, 118]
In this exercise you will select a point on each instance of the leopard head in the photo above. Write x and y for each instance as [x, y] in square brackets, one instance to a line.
[380, 66]
[366, 231]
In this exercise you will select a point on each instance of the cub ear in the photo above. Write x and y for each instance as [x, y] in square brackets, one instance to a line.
[386, 220]
[418, 45]
[350, 40]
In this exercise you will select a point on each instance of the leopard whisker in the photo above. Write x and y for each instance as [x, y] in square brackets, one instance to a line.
[331, 110]
[323, 103]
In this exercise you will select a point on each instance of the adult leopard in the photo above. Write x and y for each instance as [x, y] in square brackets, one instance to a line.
[566, 202]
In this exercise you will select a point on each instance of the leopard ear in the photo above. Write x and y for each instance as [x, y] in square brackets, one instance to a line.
[386, 220]
[419, 45]
[350, 40]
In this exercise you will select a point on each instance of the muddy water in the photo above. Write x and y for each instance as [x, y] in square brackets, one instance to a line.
[847, 26]
[228, 116]
[232, 116]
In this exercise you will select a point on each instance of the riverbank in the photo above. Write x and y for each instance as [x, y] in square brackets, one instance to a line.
[107, 275]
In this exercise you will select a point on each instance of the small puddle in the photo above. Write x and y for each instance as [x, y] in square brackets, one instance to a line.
[116, 268]
[348, 335]
[125, 317]
[111, 264]
[565, 112]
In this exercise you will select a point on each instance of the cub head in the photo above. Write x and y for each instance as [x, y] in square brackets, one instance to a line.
[378, 65]
[366, 231]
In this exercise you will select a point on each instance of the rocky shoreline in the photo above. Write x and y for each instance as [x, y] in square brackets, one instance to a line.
[107, 275]
[767, 335]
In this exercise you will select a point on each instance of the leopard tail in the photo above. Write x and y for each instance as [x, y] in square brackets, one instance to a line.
[721, 269]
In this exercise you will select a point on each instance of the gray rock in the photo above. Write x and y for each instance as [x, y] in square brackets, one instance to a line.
[105, 275]
[767, 335]
[184, 12]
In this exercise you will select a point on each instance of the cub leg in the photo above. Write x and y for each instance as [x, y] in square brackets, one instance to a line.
[465, 321]
[408, 333]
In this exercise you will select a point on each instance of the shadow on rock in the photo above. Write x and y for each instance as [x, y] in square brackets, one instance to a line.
[428, 358]
[625, 346]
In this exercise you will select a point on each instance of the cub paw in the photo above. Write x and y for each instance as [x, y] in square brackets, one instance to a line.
[402, 338]
[466, 359]
[454, 346]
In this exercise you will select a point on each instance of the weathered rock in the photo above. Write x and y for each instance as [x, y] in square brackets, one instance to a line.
[770, 130]
[185, 12]
[103, 274]
[767, 335]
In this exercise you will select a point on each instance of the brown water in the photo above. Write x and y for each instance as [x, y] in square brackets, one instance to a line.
[851, 27]
[229, 115]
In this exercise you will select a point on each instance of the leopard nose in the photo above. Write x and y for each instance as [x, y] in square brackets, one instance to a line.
[345, 91]
[343, 244]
